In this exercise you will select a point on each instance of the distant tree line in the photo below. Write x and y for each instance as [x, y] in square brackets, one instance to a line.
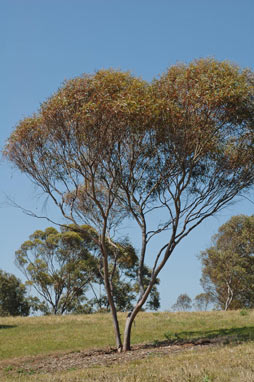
[63, 266]
[184, 303]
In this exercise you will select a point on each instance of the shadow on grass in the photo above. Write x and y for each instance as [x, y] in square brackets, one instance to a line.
[7, 326]
[198, 337]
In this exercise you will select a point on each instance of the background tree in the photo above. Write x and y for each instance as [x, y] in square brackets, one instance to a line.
[183, 303]
[109, 146]
[62, 266]
[228, 266]
[202, 301]
[59, 267]
[122, 272]
[13, 300]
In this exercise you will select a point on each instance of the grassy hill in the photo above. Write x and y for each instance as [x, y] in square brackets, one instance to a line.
[198, 346]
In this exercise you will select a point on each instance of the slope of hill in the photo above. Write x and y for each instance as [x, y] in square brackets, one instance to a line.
[198, 346]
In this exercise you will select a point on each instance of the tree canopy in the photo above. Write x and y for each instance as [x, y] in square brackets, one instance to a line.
[228, 266]
[63, 266]
[58, 265]
[108, 146]
[183, 303]
[13, 300]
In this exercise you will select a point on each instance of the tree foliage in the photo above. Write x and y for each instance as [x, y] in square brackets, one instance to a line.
[63, 266]
[183, 303]
[13, 300]
[228, 266]
[202, 301]
[59, 267]
[110, 146]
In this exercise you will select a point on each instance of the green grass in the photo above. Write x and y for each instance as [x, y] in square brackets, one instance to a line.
[42, 336]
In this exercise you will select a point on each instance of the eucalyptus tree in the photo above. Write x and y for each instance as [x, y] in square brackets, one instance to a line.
[228, 265]
[63, 266]
[202, 301]
[110, 147]
[183, 303]
[58, 265]
[13, 298]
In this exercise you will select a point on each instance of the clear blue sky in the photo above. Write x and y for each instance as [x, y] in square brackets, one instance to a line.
[43, 42]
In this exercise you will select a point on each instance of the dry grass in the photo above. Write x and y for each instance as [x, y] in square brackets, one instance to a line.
[41, 336]
[220, 364]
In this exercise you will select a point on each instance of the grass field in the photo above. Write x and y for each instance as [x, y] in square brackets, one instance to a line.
[205, 347]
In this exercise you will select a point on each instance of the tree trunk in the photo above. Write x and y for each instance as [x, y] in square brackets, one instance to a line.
[119, 345]
[127, 331]
[229, 297]
[132, 315]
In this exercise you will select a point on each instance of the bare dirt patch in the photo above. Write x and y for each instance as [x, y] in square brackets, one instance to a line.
[82, 359]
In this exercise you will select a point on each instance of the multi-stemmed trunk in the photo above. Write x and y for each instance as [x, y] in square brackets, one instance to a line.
[131, 317]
